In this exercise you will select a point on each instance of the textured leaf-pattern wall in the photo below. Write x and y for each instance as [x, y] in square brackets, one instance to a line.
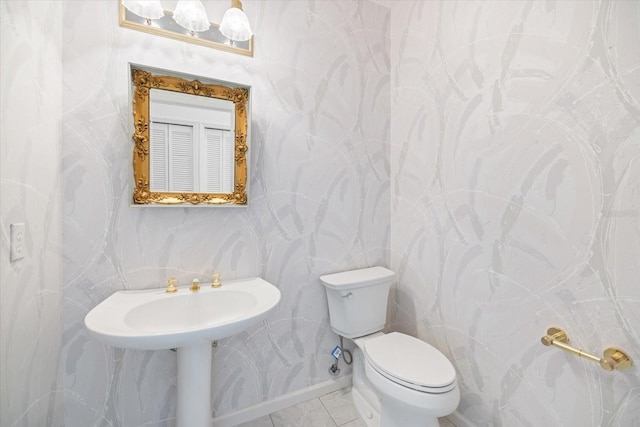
[30, 288]
[516, 200]
[486, 151]
[319, 199]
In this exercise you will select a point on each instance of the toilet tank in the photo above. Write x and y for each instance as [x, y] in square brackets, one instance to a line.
[358, 300]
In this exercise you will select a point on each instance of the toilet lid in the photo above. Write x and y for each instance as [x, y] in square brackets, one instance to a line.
[409, 361]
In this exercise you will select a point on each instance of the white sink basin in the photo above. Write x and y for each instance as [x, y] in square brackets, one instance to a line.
[156, 320]
[189, 321]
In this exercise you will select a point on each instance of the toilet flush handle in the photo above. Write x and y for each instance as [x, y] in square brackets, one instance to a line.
[347, 295]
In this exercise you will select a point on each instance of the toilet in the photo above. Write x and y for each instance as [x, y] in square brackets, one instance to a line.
[398, 380]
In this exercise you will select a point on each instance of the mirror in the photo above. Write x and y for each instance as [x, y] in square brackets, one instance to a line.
[190, 139]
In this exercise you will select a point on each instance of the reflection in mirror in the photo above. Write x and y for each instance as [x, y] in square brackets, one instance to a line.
[191, 145]
[191, 139]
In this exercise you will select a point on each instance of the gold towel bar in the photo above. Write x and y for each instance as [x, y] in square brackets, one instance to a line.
[613, 358]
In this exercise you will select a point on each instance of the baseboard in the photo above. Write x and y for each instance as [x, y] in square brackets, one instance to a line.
[460, 420]
[281, 402]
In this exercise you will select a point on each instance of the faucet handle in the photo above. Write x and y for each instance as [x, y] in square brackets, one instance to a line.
[172, 285]
[215, 283]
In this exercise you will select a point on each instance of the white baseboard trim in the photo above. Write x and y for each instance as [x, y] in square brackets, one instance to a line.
[460, 420]
[281, 402]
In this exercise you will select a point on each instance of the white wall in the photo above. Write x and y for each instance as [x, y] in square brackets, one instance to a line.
[516, 200]
[31, 288]
[319, 199]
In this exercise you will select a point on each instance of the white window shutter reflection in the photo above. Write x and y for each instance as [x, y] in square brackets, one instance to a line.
[181, 158]
[158, 157]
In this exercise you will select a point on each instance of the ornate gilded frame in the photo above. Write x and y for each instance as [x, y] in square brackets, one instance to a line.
[142, 82]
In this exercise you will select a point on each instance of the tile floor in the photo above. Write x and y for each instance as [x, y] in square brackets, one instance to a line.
[331, 410]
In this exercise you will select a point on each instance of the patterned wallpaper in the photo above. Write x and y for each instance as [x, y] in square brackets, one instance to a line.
[516, 200]
[30, 288]
[486, 151]
[318, 203]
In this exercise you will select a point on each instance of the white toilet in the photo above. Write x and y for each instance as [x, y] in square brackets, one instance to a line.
[398, 380]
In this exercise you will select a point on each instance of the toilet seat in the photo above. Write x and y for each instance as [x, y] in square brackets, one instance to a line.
[410, 362]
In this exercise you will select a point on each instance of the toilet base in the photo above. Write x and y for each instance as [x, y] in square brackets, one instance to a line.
[394, 415]
[368, 414]
[373, 412]
[365, 400]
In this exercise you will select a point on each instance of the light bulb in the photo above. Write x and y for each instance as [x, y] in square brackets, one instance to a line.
[190, 14]
[147, 9]
[235, 24]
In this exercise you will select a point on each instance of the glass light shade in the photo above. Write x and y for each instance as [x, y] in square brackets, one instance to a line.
[148, 9]
[190, 14]
[235, 25]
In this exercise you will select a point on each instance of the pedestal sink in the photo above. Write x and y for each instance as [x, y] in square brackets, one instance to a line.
[188, 321]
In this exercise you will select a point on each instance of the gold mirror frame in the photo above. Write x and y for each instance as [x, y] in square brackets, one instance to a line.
[143, 81]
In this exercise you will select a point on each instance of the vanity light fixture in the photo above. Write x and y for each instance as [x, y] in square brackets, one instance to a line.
[235, 24]
[190, 14]
[147, 9]
[189, 22]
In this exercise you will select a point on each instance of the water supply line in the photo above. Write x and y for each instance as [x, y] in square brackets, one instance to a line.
[346, 353]
[337, 352]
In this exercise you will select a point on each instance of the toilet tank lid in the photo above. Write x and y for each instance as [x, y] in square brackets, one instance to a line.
[357, 278]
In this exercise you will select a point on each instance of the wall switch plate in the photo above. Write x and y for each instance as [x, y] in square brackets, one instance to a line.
[17, 248]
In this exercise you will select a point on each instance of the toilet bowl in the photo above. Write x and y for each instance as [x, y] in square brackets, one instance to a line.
[415, 382]
[398, 380]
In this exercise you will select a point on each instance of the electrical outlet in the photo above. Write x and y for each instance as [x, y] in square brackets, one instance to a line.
[17, 248]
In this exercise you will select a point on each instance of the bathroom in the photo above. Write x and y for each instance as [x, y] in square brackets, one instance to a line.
[487, 152]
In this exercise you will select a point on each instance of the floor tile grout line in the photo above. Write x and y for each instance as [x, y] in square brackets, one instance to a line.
[324, 408]
[328, 411]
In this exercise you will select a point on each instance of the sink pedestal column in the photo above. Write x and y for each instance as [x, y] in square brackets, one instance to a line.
[194, 386]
